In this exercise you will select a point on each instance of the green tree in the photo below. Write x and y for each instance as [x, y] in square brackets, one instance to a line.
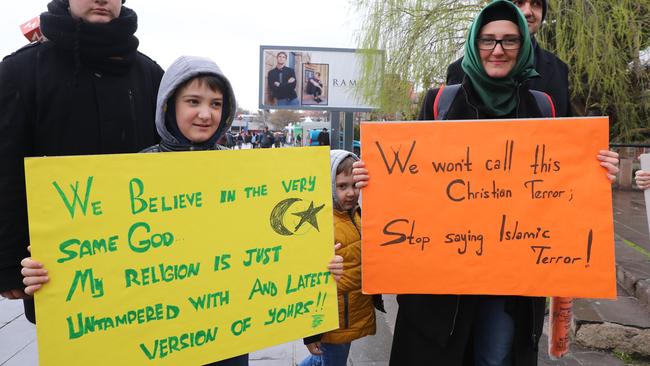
[420, 38]
[280, 118]
[600, 40]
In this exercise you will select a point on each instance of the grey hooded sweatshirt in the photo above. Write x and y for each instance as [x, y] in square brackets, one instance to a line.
[336, 157]
[181, 70]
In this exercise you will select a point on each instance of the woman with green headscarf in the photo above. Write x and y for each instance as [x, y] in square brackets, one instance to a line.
[498, 61]
[455, 330]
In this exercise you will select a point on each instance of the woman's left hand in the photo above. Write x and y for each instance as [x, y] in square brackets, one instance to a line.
[609, 160]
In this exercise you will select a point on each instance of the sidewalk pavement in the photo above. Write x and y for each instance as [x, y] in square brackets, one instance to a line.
[18, 339]
[18, 346]
[623, 324]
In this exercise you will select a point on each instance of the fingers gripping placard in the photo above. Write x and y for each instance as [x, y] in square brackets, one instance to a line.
[519, 207]
[180, 258]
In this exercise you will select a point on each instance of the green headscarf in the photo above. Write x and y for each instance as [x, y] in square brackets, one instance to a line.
[498, 96]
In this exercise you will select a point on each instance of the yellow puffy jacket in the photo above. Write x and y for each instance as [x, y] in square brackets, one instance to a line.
[356, 310]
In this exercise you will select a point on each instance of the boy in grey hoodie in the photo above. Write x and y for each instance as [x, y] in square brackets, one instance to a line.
[195, 107]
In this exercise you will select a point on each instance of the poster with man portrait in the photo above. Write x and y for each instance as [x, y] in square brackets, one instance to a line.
[310, 78]
[315, 88]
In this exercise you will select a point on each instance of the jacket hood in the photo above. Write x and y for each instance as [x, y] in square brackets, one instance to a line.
[181, 70]
[544, 9]
[336, 157]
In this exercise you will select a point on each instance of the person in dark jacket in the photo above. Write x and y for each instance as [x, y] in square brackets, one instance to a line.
[553, 73]
[87, 90]
[282, 82]
[481, 330]
[324, 137]
[267, 139]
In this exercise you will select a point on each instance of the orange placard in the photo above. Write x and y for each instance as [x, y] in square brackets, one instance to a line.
[502, 207]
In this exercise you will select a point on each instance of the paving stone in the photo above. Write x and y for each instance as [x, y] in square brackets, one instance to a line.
[593, 358]
[11, 309]
[583, 311]
[624, 311]
[643, 293]
[25, 357]
[15, 336]
[374, 348]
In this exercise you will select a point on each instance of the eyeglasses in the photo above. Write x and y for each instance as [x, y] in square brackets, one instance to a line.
[488, 44]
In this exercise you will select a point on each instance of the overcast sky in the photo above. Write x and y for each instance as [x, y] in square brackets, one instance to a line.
[229, 32]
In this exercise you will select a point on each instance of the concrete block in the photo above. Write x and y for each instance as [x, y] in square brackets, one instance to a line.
[608, 336]
[643, 293]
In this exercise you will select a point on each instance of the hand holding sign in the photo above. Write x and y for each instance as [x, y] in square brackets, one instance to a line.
[642, 179]
[35, 276]
[609, 161]
[360, 174]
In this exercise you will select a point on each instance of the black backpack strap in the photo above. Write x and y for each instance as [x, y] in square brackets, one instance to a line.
[444, 98]
[544, 103]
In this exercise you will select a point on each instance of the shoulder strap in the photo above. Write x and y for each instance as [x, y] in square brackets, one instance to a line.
[444, 98]
[544, 103]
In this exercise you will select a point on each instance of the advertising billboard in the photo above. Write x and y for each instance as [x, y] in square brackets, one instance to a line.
[310, 78]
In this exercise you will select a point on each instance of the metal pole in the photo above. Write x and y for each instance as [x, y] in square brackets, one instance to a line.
[335, 117]
[348, 131]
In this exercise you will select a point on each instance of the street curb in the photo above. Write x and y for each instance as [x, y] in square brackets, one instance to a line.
[635, 286]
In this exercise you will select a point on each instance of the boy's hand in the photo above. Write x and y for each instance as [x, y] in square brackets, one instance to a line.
[609, 160]
[335, 266]
[34, 275]
[314, 348]
[14, 294]
[360, 174]
[642, 179]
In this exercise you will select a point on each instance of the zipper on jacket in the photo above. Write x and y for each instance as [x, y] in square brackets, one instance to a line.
[133, 117]
[351, 215]
[346, 303]
[453, 324]
[533, 334]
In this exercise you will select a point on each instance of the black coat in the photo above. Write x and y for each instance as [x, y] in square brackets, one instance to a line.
[50, 107]
[553, 80]
[286, 89]
[437, 329]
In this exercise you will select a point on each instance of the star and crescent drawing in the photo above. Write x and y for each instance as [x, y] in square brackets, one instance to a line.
[308, 216]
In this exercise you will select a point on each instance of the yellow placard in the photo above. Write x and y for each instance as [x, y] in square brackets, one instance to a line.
[180, 258]
[510, 207]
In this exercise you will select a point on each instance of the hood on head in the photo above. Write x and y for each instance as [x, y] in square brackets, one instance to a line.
[181, 70]
[336, 157]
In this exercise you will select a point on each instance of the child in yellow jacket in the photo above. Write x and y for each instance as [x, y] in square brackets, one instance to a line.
[356, 310]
